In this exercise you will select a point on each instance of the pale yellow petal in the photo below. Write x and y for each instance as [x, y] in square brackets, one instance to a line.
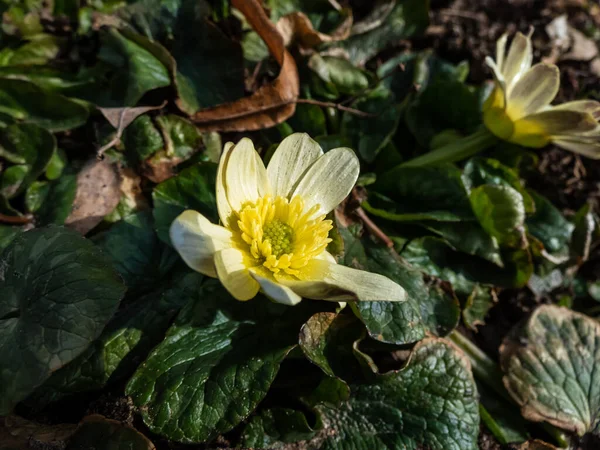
[245, 175]
[223, 206]
[588, 148]
[233, 271]
[530, 129]
[501, 50]
[329, 180]
[196, 240]
[534, 91]
[275, 291]
[586, 106]
[326, 256]
[323, 280]
[518, 60]
[293, 157]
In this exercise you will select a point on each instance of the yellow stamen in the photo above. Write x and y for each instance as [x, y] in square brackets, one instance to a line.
[281, 235]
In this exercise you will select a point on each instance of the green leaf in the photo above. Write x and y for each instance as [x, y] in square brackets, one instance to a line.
[408, 18]
[29, 146]
[142, 139]
[193, 188]
[340, 73]
[551, 368]
[182, 138]
[581, 238]
[501, 417]
[308, 119]
[370, 134]
[215, 365]
[425, 117]
[548, 224]
[57, 293]
[501, 212]
[435, 193]
[25, 101]
[327, 340]
[428, 308]
[467, 237]
[38, 51]
[126, 340]
[431, 403]
[479, 302]
[479, 171]
[99, 433]
[7, 234]
[58, 202]
[57, 164]
[271, 428]
[36, 195]
[136, 252]
[137, 71]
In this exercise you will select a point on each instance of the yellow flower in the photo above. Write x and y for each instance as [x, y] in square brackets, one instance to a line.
[518, 110]
[274, 234]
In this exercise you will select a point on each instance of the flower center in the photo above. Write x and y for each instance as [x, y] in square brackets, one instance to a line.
[280, 235]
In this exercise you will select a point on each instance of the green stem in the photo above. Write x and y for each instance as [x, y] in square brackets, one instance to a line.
[488, 372]
[470, 145]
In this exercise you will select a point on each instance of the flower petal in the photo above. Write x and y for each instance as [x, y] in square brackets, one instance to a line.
[501, 51]
[323, 280]
[275, 291]
[232, 268]
[518, 60]
[196, 240]
[588, 148]
[534, 91]
[538, 129]
[245, 175]
[329, 180]
[586, 106]
[223, 205]
[293, 157]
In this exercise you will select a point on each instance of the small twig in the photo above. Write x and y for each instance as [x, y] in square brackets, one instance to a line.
[254, 78]
[335, 5]
[373, 229]
[16, 220]
[337, 106]
[114, 141]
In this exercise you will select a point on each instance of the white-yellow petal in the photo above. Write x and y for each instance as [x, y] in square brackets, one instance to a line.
[501, 50]
[233, 271]
[585, 106]
[533, 91]
[197, 240]
[589, 148]
[326, 281]
[518, 60]
[223, 206]
[275, 291]
[329, 180]
[293, 157]
[245, 175]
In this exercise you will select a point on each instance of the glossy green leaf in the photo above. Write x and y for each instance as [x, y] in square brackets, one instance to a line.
[435, 193]
[478, 304]
[501, 212]
[25, 101]
[272, 428]
[407, 18]
[31, 147]
[370, 134]
[126, 340]
[551, 368]
[327, 341]
[137, 254]
[340, 73]
[431, 403]
[193, 188]
[58, 202]
[99, 433]
[215, 365]
[57, 164]
[36, 195]
[548, 224]
[429, 307]
[57, 293]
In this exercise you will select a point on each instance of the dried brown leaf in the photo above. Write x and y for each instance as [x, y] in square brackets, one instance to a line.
[297, 28]
[17, 433]
[98, 194]
[121, 118]
[272, 103]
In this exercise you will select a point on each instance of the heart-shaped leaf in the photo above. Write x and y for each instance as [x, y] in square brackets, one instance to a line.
[57, 292]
